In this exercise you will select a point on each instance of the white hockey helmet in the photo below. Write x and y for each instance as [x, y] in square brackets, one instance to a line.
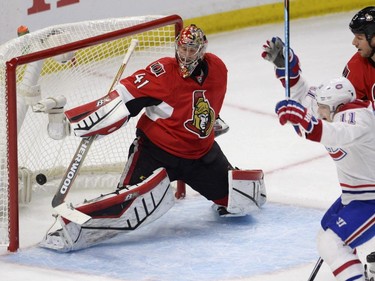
[335, 92]
[190, 46]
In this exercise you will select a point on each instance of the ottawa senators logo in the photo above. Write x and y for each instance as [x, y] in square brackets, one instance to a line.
[203, 116]
[157, 69]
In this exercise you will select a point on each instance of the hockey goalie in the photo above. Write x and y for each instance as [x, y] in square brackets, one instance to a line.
[175, 140]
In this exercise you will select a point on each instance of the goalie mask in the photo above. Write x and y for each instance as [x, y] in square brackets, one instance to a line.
[335, 92]
[190, 47]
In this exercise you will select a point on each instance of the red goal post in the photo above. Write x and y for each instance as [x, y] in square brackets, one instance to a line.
[72, 63]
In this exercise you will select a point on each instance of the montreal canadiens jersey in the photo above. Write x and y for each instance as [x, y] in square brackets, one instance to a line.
[349, 140]
[182, 123]
[361, 73]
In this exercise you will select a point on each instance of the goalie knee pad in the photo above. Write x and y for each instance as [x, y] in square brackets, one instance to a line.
[115, 213]
[247, 191]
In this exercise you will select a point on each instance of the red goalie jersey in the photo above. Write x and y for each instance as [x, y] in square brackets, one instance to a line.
[180, 112]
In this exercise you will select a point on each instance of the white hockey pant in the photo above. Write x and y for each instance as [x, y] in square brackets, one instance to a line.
[115, 213]
[342, 260]
[247, 191]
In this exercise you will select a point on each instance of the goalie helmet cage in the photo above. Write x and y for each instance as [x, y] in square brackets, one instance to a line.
[77, 61]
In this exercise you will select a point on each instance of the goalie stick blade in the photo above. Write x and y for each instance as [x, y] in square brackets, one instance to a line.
[71, 214]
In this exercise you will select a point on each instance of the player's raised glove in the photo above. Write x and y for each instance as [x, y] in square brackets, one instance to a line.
[273, 51]
[296, 114]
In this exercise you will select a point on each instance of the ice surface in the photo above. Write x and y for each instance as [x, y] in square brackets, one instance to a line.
[190, 242]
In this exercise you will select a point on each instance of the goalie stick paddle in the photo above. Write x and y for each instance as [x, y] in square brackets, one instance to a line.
[58, 202]
[72, 171]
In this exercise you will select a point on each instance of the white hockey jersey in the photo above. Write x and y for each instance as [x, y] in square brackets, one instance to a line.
[350, 141]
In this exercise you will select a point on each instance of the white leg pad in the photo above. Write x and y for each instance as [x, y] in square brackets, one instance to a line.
[247, 191]
[115, 213]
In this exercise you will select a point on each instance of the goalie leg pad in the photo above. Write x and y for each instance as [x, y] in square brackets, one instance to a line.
[112, 214]
[247, 191]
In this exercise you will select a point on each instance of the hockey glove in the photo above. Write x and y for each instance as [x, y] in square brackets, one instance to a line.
[220, 127]
[293, 112]
[274, 52]
[100, 117]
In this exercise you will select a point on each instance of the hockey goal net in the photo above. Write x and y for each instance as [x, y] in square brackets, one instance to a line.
[68, 64]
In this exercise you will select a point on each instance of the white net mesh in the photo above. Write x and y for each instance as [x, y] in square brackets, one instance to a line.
[81, 76]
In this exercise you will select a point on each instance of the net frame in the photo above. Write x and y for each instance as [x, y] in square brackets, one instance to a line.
[11, 179]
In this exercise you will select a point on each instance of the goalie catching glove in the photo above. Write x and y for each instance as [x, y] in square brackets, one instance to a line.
[273, 51]
[99, 117]
[296, 114]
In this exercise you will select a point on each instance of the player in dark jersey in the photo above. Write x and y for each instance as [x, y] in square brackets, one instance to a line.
[175, 140]
[360, 69]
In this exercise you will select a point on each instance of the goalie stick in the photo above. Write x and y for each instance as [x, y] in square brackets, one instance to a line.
[58, 201]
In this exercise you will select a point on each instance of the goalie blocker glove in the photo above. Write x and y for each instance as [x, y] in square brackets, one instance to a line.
[296, 114]
[273, 51]
[99, 117]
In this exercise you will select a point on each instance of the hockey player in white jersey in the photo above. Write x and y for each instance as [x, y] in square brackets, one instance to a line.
[331, 115]
[347, 129]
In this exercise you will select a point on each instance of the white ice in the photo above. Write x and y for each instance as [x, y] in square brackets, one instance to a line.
[189, 242]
